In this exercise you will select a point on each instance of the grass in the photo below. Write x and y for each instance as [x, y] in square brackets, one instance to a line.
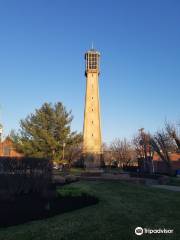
[114, 170]
[76, 171]
[72, 191]
[122, 207]
[175, 181]
[71, 171]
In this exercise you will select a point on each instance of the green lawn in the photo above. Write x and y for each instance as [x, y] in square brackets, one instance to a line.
[175, 181]
[122, 207]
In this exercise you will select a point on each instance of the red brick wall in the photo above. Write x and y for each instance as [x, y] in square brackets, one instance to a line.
[7, 149]
[173, 157]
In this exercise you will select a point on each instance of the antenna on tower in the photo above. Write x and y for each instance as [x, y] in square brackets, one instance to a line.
[92, 45]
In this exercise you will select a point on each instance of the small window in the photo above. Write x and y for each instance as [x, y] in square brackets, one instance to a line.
[92, 109]
[92, 135]
[92, 122]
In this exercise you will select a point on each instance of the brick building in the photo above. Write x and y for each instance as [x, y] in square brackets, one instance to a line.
[160, 166]
[7, 149]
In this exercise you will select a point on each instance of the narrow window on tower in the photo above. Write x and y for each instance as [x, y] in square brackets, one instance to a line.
[92, 109]
[92, 122]
[92, 135]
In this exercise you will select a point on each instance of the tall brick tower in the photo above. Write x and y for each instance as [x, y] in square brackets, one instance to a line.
[92, 142]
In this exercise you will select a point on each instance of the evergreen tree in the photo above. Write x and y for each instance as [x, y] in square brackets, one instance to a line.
[43, 133]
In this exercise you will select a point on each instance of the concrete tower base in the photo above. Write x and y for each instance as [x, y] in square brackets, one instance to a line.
[93, 161]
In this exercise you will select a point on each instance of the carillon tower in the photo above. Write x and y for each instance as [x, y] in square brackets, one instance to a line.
[92, 142]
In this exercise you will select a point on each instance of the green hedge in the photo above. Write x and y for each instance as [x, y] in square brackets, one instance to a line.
[24, 175]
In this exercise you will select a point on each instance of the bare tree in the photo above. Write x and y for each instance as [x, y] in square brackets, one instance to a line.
[172, 131]
[161, 144]
[107, 155]
[144, 151]
[122, 152]
[73, 153]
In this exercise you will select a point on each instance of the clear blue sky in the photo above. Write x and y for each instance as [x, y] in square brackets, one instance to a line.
[42, 45]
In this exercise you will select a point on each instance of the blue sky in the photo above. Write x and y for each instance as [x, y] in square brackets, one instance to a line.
[42, 46]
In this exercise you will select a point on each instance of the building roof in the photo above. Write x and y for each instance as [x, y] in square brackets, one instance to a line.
[92, 50]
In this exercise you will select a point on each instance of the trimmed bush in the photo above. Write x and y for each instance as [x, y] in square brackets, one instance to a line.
[23, 175]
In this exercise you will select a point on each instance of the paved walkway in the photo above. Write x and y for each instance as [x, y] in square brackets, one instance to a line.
[168, 187]
[117, 177]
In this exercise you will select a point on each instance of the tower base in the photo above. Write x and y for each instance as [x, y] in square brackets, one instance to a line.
[93, 161]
